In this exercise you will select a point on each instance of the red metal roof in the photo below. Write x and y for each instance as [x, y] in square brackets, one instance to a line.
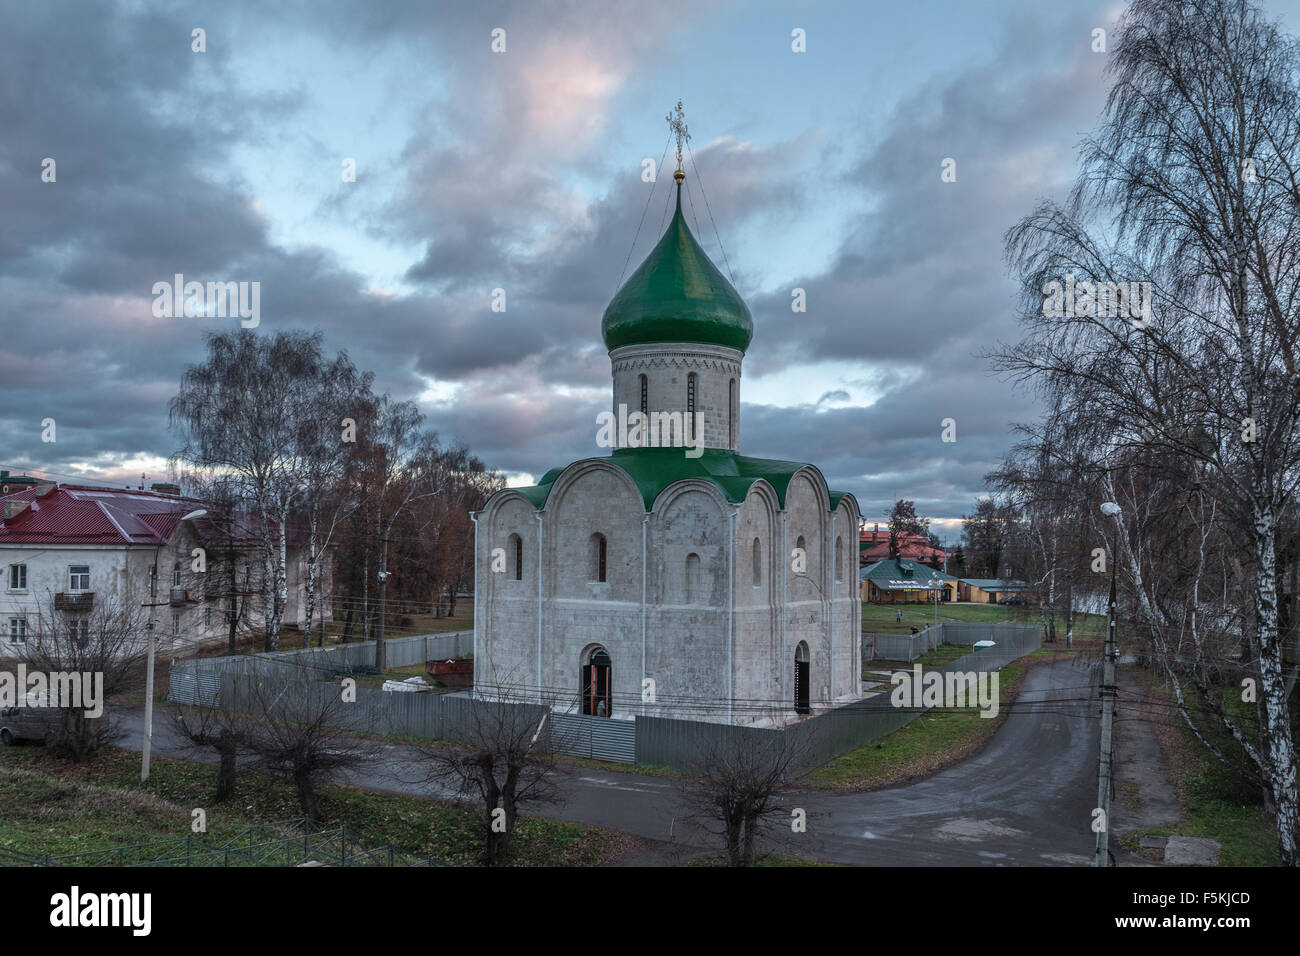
[82, 514]
[911, 547]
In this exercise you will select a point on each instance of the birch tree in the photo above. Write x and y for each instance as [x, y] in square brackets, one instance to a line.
[1161, 298]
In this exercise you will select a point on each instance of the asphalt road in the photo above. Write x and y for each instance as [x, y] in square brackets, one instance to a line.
[1024, 800]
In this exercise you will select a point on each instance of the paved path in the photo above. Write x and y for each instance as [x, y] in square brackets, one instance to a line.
[1024, 800]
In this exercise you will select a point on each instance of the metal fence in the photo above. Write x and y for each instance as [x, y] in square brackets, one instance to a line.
[451, 717]
[601, 738]
[198, 680]
[902, 647]
[815, 740]
[645, 740]
[908, 647]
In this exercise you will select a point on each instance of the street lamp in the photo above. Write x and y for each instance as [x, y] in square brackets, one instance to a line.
[1105, 765]
[153, 642]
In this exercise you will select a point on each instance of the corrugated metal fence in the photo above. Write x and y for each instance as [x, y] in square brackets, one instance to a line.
[681, 743]
[646, 740]
[198, 680]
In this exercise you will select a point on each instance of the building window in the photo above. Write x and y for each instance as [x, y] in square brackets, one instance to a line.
[176, 576]
[802, 556]
[645, 395]
[597, 558]
[79, 577]
[79, 632]
[839, 558]
[801, 688]
[731, 413]
[690, 406]
[517, 552]
[207, 617]
[176, 627]
[17, 577]
[18, 630]
[758, 564]
[693, 594]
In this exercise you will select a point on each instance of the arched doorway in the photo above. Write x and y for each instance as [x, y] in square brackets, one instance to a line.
[597, 688]
[801, 679]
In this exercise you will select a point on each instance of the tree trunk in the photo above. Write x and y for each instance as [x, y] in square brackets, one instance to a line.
[309, 600]
[234, 604]
[227, 748]
[1276, 727]
[307, 798]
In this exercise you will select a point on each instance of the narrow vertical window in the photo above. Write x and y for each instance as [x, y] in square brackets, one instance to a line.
[690, 405]
[758, 564]
[518, 549]
[597, 558]
[731, 413]
[645, 395]
[693, 589]
[839, 558]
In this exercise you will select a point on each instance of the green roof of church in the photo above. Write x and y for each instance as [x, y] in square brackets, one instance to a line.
[654, 469]
[677, 295]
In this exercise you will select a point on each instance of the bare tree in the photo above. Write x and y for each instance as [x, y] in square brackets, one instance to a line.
[220, 729]
[242, 413]
[738, 784]
[298, 727]
[105, 647]
[507, 761]
[1161, 302]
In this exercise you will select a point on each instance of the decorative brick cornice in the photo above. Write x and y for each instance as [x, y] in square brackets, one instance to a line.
[672, 355]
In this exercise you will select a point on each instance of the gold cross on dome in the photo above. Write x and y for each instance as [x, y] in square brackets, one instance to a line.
[677, 124]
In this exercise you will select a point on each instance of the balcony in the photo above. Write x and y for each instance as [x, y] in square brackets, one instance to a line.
[181, 597]
[74, 600]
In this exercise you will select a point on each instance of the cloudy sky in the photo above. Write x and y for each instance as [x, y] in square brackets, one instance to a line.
[521, 170]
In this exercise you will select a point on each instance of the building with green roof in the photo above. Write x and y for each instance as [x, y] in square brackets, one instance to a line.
[899, 581]
[673, 576]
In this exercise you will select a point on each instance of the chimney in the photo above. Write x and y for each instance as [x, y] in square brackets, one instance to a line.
[43, 488]
[13, 507]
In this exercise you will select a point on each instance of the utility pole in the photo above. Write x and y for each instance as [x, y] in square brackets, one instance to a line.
[380, 657]
[153, 644]
[1105, 767]
[148, 674]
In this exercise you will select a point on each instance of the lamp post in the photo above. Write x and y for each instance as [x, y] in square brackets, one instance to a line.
[153, 643]
[1105, 765]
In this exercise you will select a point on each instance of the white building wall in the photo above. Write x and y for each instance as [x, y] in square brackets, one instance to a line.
[666, 368]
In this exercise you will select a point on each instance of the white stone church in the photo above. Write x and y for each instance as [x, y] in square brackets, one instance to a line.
[680, 581]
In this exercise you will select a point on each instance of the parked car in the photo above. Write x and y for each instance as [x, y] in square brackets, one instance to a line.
[1012, 600]
[26, 723]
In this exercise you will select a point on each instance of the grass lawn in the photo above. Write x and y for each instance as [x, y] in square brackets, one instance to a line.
[936, 658]
[55, 807]
[933, 741]
[880, 618]
[1216, 803]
